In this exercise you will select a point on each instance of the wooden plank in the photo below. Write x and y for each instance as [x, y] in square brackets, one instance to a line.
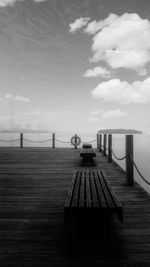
[70, 191]
[88, 192]
[118, 206]
[101, 195]
[33, 186]
[93, 189]
[76, 192]
[82, 188]
[105, 191]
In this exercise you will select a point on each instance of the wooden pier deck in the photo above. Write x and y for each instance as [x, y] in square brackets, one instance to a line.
[33, 186]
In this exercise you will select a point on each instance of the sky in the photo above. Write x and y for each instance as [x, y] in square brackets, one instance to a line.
[72, 65]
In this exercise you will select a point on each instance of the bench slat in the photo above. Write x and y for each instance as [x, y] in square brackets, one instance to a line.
[70, 192]
[100, 192]
[106, 192]
[81, 197]
[94, 193]
[88, 193]
[76, 192]
[117, 203]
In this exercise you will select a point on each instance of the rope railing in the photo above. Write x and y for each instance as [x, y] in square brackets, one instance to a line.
[9, 141]
[138, 171]
[122, 158]
[89, 142]
[116, 157]
[33, 141]
[60, 141]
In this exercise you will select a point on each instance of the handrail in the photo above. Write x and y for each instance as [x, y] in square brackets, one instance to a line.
[10, 140]
[89, 142]
[60, 141]
[122, 158]
[138, 171]
[33, 141]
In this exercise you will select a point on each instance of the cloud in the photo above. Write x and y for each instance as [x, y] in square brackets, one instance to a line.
[98, 115]
[92, 118]
[78, 24]
[16, 98]
[114, 113]
[123, 92]
[95, 26]
[97, 71]
[4, 3]
[120, 41]
[44, 113]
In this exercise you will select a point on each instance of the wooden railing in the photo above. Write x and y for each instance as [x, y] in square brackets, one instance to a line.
[107, 150]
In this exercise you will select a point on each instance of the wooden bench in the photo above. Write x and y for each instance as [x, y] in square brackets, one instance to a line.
[87, 154]
[90, 193]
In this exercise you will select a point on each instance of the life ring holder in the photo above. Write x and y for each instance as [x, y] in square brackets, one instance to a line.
[75, 140]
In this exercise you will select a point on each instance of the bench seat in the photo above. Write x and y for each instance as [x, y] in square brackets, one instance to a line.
[87, 153]
[91, 192]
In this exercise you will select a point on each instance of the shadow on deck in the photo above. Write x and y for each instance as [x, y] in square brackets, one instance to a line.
[33, 186]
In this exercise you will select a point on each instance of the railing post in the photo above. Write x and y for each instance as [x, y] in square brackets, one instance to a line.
[97, 141]
[129, 162]
[100, 143]
[53, 140]
[110, 148]
[21, 140]
[104, 144]
[75, 145]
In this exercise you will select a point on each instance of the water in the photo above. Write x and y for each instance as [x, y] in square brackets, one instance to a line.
[141, 156]
[141, 147]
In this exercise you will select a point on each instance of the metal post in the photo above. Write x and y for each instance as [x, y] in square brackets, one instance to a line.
[75, 145]
[21, 140]
[100, 143]
[97, 141]
[110, 148]
[104, 144]
[129, 162]
[53, 136]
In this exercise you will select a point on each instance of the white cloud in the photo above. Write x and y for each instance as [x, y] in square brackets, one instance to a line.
[98, 115]
[4, 3]
[123, 92]
[97, 71]
[44, 113]
[114, 113]
[95, 26]
[92, 118]
[78, 24]
[124, 42]
[16, 98]
[120, 41]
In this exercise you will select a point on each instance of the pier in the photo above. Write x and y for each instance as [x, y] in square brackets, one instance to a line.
[33, 186]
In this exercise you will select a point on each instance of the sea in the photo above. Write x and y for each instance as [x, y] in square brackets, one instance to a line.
[141, 147]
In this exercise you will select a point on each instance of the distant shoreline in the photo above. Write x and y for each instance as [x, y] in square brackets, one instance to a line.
[119, 131]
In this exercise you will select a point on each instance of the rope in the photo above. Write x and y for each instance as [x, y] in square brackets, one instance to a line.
[60, 141]
[89, 142]
[31, 141]
[114, 154]
[10, 140]
[117, 157]
[145, 180]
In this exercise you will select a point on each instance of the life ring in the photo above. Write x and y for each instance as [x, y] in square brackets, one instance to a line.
[75, 140]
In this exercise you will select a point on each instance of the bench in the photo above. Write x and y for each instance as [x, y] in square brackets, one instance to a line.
[90, 193]
[87, 154]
